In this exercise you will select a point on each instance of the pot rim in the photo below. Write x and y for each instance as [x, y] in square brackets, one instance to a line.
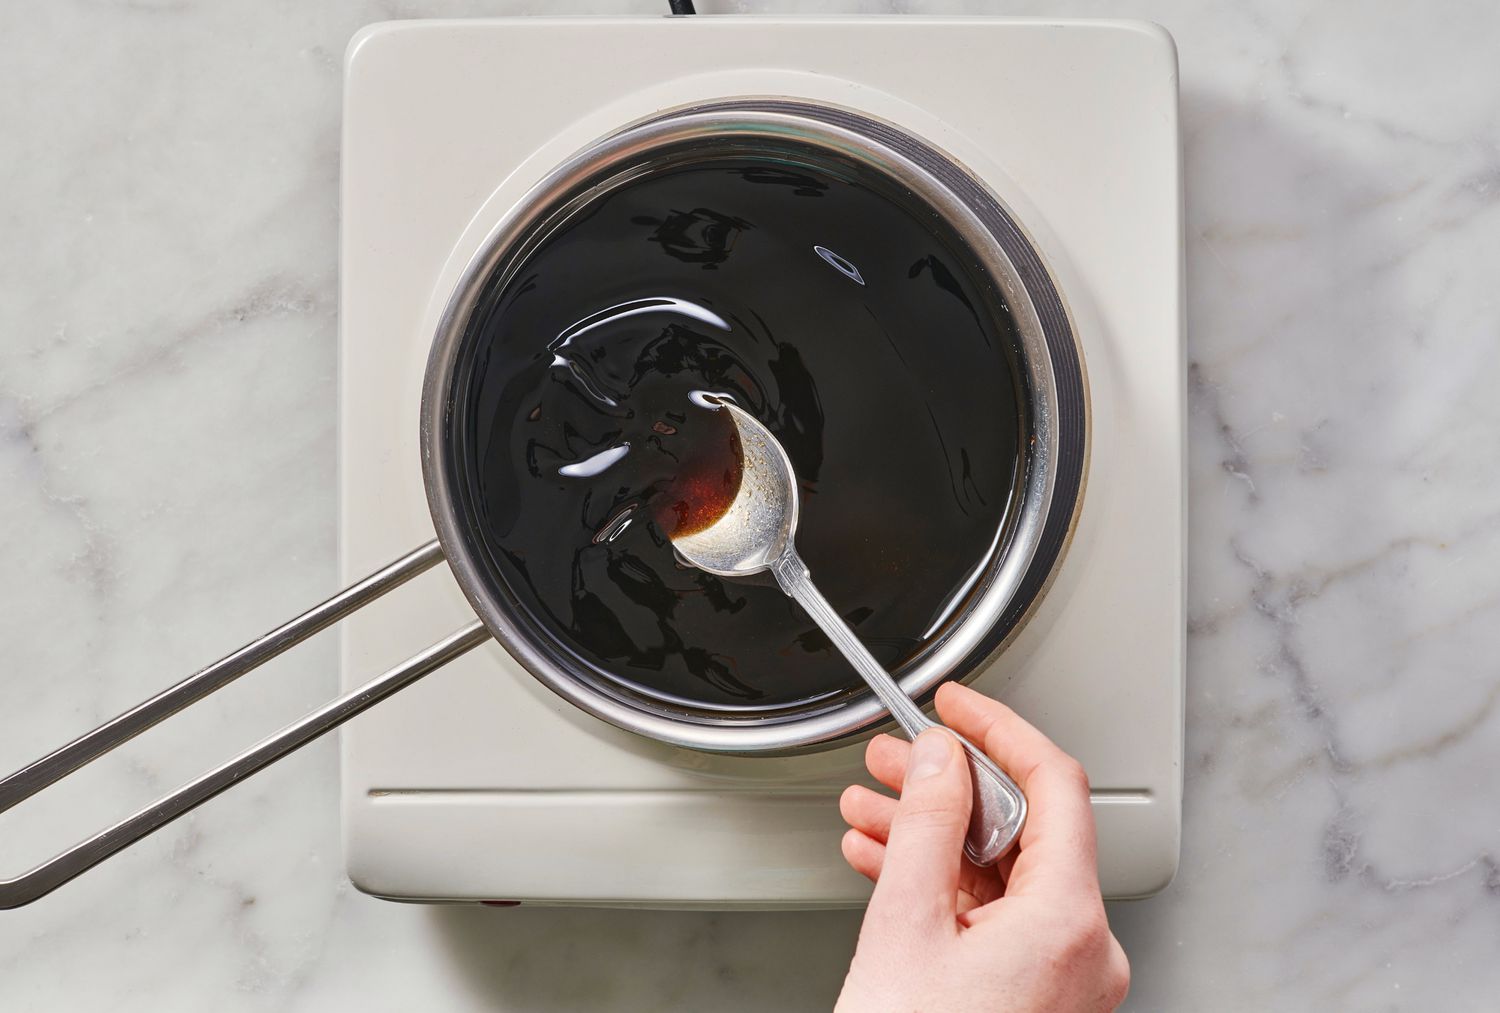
[1006, 590]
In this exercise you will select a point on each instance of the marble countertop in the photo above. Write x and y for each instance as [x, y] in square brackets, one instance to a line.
[167, 391]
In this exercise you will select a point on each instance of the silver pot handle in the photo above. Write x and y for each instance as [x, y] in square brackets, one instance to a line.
[88, 747]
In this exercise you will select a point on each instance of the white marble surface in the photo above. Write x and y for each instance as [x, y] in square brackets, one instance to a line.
[167, 289]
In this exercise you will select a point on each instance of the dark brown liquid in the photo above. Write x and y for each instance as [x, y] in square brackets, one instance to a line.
[851, 324]
[708, 476]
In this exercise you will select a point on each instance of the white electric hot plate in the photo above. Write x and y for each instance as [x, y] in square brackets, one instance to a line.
[479, 783]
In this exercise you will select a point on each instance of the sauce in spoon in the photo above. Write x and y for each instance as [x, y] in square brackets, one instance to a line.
[706, 482]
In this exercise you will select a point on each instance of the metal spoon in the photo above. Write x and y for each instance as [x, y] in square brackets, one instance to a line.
[754, 534]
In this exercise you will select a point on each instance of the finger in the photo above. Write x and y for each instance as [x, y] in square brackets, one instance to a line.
[924, 852]
[1057, 846]
[1005, 868]
[989, 884]
[867, 811]
[885, 756]
[864, 855]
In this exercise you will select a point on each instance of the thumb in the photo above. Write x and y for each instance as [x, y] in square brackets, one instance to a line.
[924, 853]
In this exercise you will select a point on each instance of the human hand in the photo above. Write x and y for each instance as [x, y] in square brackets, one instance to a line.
[944, 936]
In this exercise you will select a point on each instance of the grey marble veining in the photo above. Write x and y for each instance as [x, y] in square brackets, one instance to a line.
[167, 392]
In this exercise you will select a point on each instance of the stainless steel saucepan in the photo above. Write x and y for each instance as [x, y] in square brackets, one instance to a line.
[1047, 502]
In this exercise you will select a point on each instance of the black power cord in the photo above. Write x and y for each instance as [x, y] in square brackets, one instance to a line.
[681, 6]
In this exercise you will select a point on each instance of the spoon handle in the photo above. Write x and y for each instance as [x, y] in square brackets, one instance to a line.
[999, 807]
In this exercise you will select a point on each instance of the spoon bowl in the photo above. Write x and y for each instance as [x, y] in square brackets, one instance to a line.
[757, 527]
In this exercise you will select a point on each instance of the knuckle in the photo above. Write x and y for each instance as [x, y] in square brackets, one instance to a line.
[1118, 984]
[1087, 936]
[1073, 774]
[1081, 944]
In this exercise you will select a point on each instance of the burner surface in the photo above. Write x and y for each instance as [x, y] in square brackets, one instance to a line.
[446, 794]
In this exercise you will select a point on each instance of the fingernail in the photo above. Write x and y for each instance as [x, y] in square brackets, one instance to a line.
[929, 754]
